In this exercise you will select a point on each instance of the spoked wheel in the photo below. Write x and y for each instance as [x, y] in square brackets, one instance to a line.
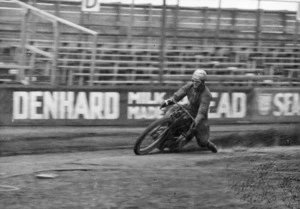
[152, 136]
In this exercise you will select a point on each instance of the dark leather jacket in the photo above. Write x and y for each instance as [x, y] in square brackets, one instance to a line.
[199, 100]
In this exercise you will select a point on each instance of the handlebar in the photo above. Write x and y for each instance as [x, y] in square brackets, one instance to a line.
[184, 109]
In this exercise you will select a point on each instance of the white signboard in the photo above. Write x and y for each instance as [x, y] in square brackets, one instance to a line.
[90, 5]
[298, 12]
[145, 105]
[65, 105]
[278, 104]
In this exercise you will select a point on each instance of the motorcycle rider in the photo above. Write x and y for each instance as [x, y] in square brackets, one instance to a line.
[199, 97]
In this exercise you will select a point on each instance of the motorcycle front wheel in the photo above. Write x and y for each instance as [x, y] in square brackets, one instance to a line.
[152, 136]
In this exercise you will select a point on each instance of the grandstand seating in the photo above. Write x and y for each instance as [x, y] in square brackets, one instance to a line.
[234, 57]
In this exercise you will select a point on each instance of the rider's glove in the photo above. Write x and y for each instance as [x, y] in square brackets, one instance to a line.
[190, 134]
[193, 130]
[167, 103]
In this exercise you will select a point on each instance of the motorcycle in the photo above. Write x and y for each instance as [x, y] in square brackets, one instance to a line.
[166, 132]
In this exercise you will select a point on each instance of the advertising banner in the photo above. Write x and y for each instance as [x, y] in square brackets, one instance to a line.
[129, 106]
[277, 104]
[66, 107]
[225, 105]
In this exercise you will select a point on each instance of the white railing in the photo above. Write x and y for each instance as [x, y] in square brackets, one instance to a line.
[28, 9]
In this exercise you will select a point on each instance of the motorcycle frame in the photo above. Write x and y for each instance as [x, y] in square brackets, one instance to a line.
[177, 119]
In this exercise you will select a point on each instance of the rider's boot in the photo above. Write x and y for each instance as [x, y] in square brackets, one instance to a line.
[212, 147]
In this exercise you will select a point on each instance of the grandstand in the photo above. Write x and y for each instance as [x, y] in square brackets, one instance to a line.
[55, 43]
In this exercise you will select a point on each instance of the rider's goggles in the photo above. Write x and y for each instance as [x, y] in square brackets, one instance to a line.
[197, 81]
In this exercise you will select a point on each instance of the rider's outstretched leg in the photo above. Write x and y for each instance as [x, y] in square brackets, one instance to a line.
[202, 136]
[212, 147]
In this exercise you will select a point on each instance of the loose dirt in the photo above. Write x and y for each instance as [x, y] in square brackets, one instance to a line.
[257, 178]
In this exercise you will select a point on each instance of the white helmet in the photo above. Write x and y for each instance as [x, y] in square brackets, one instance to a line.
[199, 75]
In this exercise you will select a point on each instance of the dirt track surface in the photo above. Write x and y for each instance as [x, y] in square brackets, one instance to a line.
[240, 178]
[39, 140]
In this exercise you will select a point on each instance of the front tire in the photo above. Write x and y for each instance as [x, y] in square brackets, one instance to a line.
[153, 135]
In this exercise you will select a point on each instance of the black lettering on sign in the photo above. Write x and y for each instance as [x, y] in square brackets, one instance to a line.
[91, 5]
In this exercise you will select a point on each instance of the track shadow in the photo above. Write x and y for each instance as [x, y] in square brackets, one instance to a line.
[187, 150]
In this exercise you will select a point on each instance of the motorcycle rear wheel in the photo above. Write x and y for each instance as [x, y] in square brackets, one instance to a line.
[152, 136]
